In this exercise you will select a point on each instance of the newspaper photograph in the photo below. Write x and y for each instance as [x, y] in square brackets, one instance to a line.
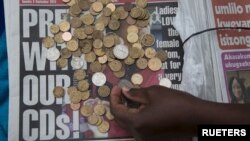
[66, 55]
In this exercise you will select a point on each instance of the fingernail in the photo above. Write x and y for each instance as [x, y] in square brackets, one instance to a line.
[126, 89]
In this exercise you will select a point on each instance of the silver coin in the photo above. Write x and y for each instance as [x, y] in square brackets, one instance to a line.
[77, 62]
[52, 54]
[121, 51]
[165, 82]
[125, 83]
[99, 79]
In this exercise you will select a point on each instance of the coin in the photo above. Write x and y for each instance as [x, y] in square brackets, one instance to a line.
[84, 5]
[77, 53]
[141, 3]
[75, 22]
[87, 19]
[135, 12]
[133, 29]
[79, 74]
[97, 6]
[111, 6]
[86, 46]
[87, 110]
[99, 52]
[108, 41]
[58, 38]
[150, 52]
[97, 43]
[93, 119]
[77, 62]
[66, 36]
[97, 34]
[79, 33]
[64, 26]
[165, 82]
[75, 97]
[104, 127]
[53, 54]
[137, 79]
[61, 62]
[103, 59]
[114, 24]
[58, 91]
[115, 65]
[75, 107]
[137, 45]
[132, 37]
[71, 90]
[88, 29]
[122, 13]
[121, 51]
[106, 11]
[148, 40]
[142, 63]
[129, 61]
[99, 26]
[120, 73]
[134, 52]
[130, 20]
[83, 85]
[90, 57]
[85, 95]
[99, 109]
[154, 64]
[95, 66]
[104, 91]
[65, 53]
[100, 120]
[162, 55]
[54, 29]
[75, 9]
[124, 83]
[48, 42]
[99, 79]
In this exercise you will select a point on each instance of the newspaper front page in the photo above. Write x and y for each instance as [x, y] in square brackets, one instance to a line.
[231, 48]
[35, 114]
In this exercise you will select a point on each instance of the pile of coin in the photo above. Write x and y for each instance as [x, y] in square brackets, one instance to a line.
[84, 32]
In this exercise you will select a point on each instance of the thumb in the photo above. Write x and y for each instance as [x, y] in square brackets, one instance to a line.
[136, 95]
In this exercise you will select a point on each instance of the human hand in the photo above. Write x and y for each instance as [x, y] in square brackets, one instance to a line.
[163, 112]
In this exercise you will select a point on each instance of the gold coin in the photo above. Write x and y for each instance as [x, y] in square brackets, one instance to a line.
[65, 53]
[75, 97]
[137, 79]
[115, 65]
[129, 61]
[154, 64]
[134, 52]
[106, 11]
[92, 12]
[64, 26]
[48, 42]
[79, 33]
[71, 2]
[133, 29]
[105, 2]
[61, 62]
[148, 40]
[72, 45]
[137, 45]
[122, 13]
[109, 115]
[142, 23]
[100, 120]
[104, 20]
[135, 12]
[115, 15]
[104, 91]
[142, 63]
[99, 26]
[114, 24]
[111, 6]
[88, 29]
[104, 127]
[142, 53]
[95, 66]
[97, 6]
[71, 90]
[141, 3]
[58, 38]
[75, 107]
[99, 52]
[83, 85]
[84, 5]
[86, 46]
[54, 29]
[97, 34]
[97, 43]
[75, 9]
[87, 19]
[77, 53]
[87, 110]
[162, 55]
[79, 74]
[93, 119]
[108, 41]
[120, 73]
[103, 59]
[58, 91]
[85, 95]
[99, 109]
[132, 37]
[130, 20]
[90, 57]
[150, 52]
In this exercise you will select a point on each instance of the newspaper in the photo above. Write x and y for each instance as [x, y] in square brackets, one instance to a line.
[34, 112]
